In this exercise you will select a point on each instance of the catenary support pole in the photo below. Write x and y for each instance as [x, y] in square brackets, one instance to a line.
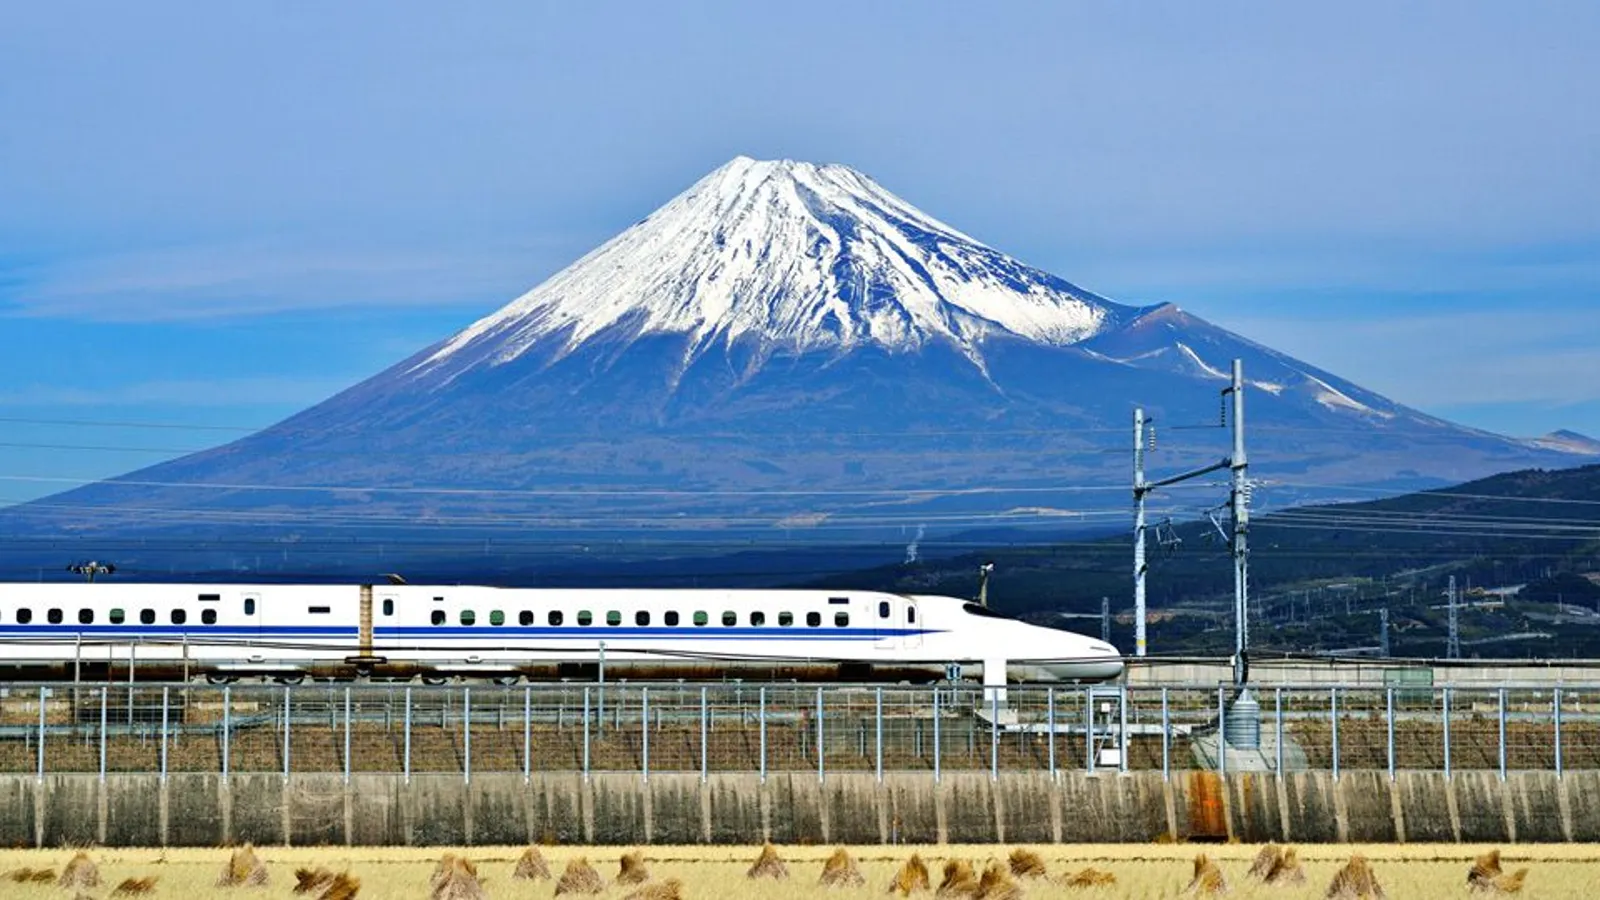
[761, 726]
[1139, 565]
[1166, 737]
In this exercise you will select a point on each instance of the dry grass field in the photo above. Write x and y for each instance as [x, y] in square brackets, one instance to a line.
[711, 873]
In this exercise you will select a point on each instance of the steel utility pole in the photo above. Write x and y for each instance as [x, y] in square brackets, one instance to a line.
[1383, 633]
[1139, 566]
[1239, 463]
[1105, 619]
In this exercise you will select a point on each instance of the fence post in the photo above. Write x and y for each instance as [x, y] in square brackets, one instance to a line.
[1088, 729]
[1559, 768]
[405, 762]
[164, 696]
[227, 730]
[288, 720]
[1277, 707]
[878, 743]
[644, 731]
[527, 735]
[1447, 732]
[822, 769]
[1333, 709]
[347, 735]
[1388, 701]
[1222, 736]
[761, 726]
[466, 735]
[705, 753]
[994, 736]
[104, 701]
[1122, 730]
[586, 734]
[936, 762]
[41, 734]
[1502, 715]
[1166, 737]
[1050, 727]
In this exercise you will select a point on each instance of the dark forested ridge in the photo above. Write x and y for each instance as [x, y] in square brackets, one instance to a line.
[1524, 548]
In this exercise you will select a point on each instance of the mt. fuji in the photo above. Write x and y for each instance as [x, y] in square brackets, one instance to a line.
[784, 348]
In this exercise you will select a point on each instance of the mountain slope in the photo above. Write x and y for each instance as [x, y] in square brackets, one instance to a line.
[783, 350]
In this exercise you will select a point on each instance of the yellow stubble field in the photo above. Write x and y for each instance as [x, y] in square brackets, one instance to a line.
[718, 873]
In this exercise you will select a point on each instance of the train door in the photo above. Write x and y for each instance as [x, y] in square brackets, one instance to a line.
[911, 622]
[895, 623]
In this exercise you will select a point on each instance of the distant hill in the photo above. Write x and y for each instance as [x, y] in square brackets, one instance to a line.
[1520, 546]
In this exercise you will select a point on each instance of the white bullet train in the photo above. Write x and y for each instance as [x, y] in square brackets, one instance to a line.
[290, 632]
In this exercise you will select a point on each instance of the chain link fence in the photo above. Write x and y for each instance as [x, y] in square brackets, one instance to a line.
[745, 728]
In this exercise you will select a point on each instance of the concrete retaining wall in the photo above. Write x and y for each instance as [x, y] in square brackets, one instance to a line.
[966, 807]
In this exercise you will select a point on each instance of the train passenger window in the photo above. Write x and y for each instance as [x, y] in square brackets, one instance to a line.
[249, 606]
[839, 601]
[53, 616]
[388, 606]
[208, 617]
[210, 598]
[118, 617]
[24, 616]
[497, 617]
[319, 610]
[700, 617]
[841, 620]
[147, 617]
[814, 619]
[438, 617]
[438, 599]
[525, 618]
[758, 619]
[85, 617]
[180, 616]
[730, 619]
[468, 617]
[671, 619]
[585, 618]
[883, 609]
[641, 618]
[555, 617]
[613, 618]
[786, 619]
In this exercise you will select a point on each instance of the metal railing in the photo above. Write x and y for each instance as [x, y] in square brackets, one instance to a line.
[465, 730]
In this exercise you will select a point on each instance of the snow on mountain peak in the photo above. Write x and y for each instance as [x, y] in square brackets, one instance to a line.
[794, 255]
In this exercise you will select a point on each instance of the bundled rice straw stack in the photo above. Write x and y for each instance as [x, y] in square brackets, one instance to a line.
[1355, 882]
[840, 871]
[1208, 880]
[912, 877]
[769, 865]
[580, 878]
[531, 866]
[243, 870]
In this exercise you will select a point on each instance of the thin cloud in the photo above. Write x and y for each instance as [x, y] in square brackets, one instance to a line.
[237, 281]
[222, 393]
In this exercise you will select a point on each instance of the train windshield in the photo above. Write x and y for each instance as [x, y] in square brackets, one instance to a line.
[974, 609]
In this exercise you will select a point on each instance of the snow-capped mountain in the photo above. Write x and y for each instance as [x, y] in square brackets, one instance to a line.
[785, 348]
[797, 257]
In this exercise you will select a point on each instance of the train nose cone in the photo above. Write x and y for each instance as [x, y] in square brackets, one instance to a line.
[1098, 662]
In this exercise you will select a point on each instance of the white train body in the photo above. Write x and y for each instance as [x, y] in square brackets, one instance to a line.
[290, 631]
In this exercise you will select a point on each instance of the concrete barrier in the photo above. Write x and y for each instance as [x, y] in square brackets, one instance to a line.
[793, 808]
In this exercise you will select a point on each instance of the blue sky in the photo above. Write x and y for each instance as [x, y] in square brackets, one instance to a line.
[214, 215]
